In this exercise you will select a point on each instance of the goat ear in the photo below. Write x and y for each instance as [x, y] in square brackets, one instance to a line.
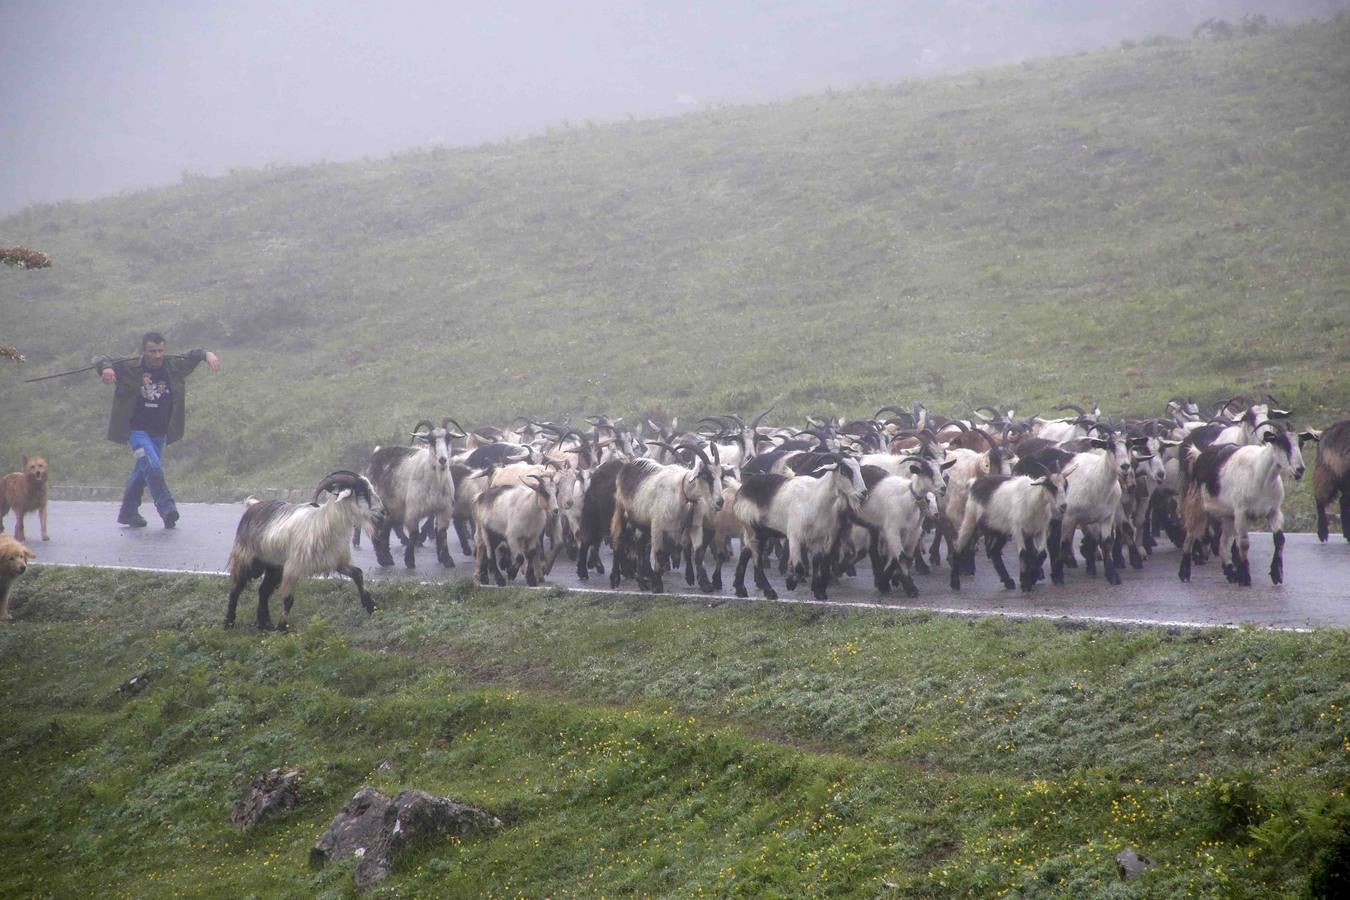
[822, 470]
[948, 464]
[1100, 444]
[343, 494]
[1040, 482]
[1069, 471]
[1309, 435]
[916, 469]
[1269, 437]
[1279, 414]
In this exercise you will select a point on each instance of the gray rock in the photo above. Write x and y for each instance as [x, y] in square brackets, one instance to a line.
[267, 797]
[376, 829]
[1131, 864]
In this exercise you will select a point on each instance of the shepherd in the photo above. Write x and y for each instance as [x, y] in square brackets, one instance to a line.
[148, 412]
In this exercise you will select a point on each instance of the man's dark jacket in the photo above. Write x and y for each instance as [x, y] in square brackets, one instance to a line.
[128, 389]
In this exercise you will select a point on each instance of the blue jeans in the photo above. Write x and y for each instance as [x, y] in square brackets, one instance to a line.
[149, 452]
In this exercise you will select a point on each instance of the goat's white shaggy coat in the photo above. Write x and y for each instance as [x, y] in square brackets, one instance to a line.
[285, 543]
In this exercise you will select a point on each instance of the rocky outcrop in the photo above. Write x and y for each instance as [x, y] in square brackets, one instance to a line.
[376, 829]
[267, 797]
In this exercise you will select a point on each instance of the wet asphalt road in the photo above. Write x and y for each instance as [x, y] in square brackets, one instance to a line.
[1316, 592]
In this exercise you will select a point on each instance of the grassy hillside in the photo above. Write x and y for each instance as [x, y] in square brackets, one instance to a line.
[1117, 227]
[655, 748]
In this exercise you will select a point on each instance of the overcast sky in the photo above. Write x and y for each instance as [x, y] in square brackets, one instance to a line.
[101, 97]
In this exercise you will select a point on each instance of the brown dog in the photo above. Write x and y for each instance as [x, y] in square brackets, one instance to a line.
[25, 491]
[14, 559]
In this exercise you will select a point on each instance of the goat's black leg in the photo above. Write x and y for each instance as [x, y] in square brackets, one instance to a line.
[689, 576]
[443, 548]
[1345, 514]
[1323, 527]
[993, 548]
[901, 568]
[1117, 551]
[1088, 547]
[738, 582]
[271, 578]
[880, 578]
[237, 588]
[1277, 563]
[820, 575]
[356, 537]
[583, 554]
[410, 550]
[1110, 565]
[1027, 562]
[658, 585]
[762, 580]
[380, 540]
[531, 566]
[1184, 572]
[463, 531]
[358, 579]
[596, 562]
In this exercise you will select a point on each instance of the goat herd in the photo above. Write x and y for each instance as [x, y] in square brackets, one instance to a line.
[821, 498]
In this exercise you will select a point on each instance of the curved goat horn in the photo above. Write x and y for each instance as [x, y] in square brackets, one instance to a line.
[759, 418]
[447, 422]
[1073, 406]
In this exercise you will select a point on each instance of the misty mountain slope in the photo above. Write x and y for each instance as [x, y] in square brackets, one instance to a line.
[1117, 227]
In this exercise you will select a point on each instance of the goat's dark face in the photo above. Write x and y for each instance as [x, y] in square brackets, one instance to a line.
[704, 482]
[850, 480]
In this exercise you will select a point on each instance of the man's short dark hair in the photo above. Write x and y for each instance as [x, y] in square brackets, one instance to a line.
[151, 337]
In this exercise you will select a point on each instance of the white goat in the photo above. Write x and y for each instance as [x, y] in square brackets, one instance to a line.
[667, 503]
[1017, 508]
[515, 516]
[1238, 486]
[284, 543]
[809, 511]
[893, 514]
[415, 482]
[1093, 504]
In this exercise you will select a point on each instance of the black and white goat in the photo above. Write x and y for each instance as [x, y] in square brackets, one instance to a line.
[1239, 485]
[893, 515]
[1093, 504]
[415, 482]
[668, 504]
[514, 517]
[1011, 507]
[811, 511]
[284, 542]
[1331, 475]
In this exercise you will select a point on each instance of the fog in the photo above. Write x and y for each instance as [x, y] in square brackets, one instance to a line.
[103, 97]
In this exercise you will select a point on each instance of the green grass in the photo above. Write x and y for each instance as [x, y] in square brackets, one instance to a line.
[662, 748]
[1118, 227]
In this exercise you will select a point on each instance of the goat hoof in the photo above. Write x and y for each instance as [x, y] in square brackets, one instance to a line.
[1276, 574]
[911, 591]
[229, 623]
[770, 594]
[955, 582]
[1009, 583]
[742, 592]
[920, 566]
[1113, 578]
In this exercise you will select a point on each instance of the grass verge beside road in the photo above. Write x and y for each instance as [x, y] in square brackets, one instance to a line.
[663, 748]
